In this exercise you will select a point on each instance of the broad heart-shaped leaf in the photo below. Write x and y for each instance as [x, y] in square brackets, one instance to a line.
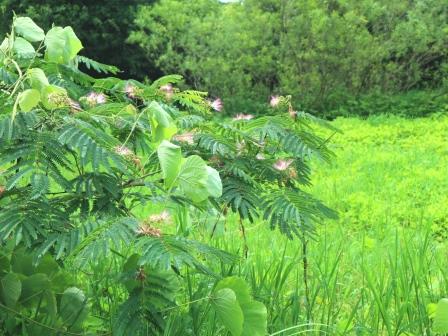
[73, 44]
[192, 178]
[37, 78]
[159, 114]
[11, 287]
[62, 45]
[26, 28]
[255, 319]
[214, 184]
[23, 48]
[4, 48]
[53, 97]
[29, 99]
[33, 286]
[441, 317]
[238, 285]
[73, 306]
[228, 310]
[170, 158]
[162, 125]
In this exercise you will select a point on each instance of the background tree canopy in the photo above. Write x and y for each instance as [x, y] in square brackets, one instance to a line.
[334, 57]
[102, 20]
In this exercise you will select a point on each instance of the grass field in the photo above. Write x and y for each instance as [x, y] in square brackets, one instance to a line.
[375, 269]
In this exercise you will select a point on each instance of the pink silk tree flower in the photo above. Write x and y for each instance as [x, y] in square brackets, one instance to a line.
[123, 151]
[282, 164]
[187, 137]
[164, 216]
[94, 98]
[146, 230]
[129, 89]
[242, 116]
[275, 100]
[216, 104]
[167, 89]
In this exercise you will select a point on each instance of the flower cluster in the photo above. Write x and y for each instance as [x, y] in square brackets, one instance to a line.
[275, 101]
[95, 98]
[242, 116]
[127, 153]
[163, 217]
[2, 189]
[282, 165]
[216, 104]
[187, 137]
[132, 91]
[147, 230]
[167, 90]
[59, 99]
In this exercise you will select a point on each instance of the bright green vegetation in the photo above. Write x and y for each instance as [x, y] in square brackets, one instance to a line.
[138, 208]
[92, 169]
[375, 270]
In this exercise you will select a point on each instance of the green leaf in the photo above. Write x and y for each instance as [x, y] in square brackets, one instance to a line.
[255, 319]
[23, 48]
[26, 27]
[37, 78]
[228, 310]
[40, 184]
[160, 115]
[22, 262]
[62, 45]
[4, 48]
[162, 125]
[53, 97]
[214, 184]
[55, 43]
[238, 285]
[33, 286]
[170, 158]
[29, 99]
[73, 306]
[441, 317]
[47, 265]
[73, 44]
[11, 287]
[192, 178]
[51, 306]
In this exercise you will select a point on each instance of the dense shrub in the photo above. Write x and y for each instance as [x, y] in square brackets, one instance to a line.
[323, 52]
[415, 103]
[102, 20]
[94, 171]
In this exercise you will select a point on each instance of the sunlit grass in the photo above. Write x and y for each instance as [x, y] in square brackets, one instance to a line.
[373, 271]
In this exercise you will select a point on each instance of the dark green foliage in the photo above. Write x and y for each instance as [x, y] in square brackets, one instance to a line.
[324, 53]
[410, 104]
[102, 25]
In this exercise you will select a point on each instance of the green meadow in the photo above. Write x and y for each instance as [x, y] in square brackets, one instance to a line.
[377, 269]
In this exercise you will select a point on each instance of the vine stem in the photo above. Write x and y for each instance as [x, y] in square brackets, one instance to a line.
[185, 304]
[245, 246]
[305, 276]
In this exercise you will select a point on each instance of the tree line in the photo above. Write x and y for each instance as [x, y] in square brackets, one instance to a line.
[328, 54]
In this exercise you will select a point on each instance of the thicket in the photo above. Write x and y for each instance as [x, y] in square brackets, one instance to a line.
[329, 55]
[93, 171]
[334, 57]
[99, 20]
